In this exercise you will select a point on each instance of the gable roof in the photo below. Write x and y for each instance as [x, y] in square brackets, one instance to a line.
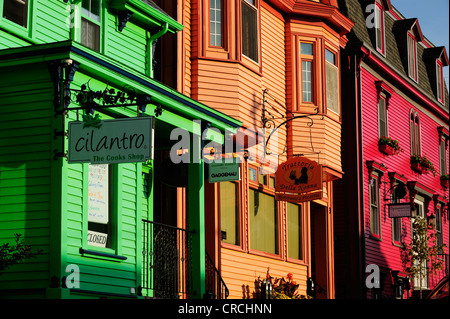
[395, 33]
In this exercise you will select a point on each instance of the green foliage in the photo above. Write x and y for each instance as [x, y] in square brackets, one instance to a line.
[386, 140]
[424, 162]
[281, 288]
[423, 249]
[16, 253]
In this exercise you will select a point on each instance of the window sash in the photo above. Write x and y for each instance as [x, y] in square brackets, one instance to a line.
[229, 213]
[16, 11]
[379, 27]
[412, 57]
[263, 222]
[90, 34]
[382, 117]
[374, 206]
[439, 82]
[307, 81]
[99, 195]
[294, 231]
[442, 157]
[332, 87]
[249, 30]
[215, 21]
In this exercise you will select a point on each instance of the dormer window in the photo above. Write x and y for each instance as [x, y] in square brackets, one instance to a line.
[439, 81]
[412, 56]
[379, 26]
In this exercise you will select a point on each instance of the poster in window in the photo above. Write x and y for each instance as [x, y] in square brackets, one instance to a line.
[98, 194]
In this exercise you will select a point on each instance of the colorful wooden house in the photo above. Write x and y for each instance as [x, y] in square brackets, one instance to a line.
[275, 67]
[107, 224]
[395, 153]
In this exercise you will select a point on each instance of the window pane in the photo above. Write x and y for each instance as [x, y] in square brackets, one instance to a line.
[439, 82]
[216, 22]
[307, 81]
[294, 229]
[99, 229]
[16, 11]
[90, 34]
[332, 82]
[330, 56]
[229, 213]
[443, 157]
[252, 174]
[91, 9]
[249, 31]
[379, 27]
[263, 222]
[306, 48]
[382, 127]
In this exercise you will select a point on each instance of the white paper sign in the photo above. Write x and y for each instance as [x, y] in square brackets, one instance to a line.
[97, 239]
[98, 193]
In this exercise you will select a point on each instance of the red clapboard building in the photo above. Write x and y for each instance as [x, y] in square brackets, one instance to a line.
[395, 153]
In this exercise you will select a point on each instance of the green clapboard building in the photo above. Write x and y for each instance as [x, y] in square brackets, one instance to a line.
[86, 138]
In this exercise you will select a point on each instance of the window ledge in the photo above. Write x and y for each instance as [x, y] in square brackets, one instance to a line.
[101, 255]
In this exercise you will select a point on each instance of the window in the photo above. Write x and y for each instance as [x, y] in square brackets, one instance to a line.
[414, 127]
[375, 219]
[249, 29]
[294, 231]
[443, 156]
[306, 58]
[412, 56]
[215, 23]
[99, 210]
[332, 81]
[439, 82]
[438, 229]
[16, 11]
[379, 26]
[229, 213]
[263, 213]
[90, 24]
[382, 117]
[396, 224]
[420, 213]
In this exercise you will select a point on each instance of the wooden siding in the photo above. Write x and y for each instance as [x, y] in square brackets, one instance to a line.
[242, 269]
[25, 170]
[383, 252]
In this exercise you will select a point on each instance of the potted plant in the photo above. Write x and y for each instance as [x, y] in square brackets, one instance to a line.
[389, 146]
[444, 180]
[421, 164]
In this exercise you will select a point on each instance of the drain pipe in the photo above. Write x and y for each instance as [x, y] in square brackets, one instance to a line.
[150, 49]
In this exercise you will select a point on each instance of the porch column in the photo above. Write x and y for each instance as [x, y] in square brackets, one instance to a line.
[196, 215]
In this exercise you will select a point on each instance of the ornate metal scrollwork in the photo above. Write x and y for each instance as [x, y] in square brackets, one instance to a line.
[268, 119]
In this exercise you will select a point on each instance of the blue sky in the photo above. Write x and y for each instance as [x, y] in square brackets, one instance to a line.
[433, 18]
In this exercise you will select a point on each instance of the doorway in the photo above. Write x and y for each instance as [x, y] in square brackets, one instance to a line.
[319, 250]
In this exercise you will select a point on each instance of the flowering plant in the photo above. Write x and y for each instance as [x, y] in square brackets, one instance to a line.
[424, 162]
[394, 144]
[281, 288]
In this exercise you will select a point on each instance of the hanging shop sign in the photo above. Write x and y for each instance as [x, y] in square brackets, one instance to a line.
[299, 179]
[400, 210]
[222, 172]
[111, 141]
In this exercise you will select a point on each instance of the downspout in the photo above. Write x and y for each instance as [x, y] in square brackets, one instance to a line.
[150, 48]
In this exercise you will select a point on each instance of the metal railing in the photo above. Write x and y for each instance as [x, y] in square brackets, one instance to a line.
[167, 272]
[215, 286]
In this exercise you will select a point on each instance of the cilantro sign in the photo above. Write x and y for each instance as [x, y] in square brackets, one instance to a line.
[111, 141]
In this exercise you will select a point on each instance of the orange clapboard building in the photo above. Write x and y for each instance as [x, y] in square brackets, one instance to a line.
[273, 65]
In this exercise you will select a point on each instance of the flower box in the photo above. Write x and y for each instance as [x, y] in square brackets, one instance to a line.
[444, 181]
[416, 167]
[386, 149]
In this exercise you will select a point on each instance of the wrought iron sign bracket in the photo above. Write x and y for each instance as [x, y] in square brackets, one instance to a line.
[268, 120]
